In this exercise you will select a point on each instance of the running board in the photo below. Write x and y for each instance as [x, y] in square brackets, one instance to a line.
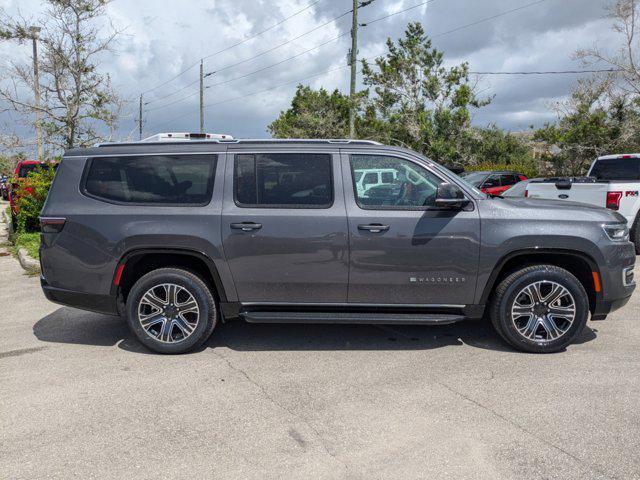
[342, 317]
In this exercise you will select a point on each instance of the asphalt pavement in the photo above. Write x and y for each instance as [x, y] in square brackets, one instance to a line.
[81, 398]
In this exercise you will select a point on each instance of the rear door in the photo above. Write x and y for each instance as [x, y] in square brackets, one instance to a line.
[284, 227]
[404, 250]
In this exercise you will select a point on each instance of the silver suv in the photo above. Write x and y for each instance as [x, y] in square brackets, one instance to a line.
[179, 236]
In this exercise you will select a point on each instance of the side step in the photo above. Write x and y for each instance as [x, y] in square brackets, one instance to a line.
[353, 317]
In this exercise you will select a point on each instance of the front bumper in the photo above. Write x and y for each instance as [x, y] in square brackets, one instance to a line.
[84, 301]
[605, 307]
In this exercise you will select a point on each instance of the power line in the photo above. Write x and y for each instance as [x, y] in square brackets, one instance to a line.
[264, 52]
[486, 19]
[245, 75]
[553, 72]
[395, 13]
[278, 63]
[324, 72]
[235, 45]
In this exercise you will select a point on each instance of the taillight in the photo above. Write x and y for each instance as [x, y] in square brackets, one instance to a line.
[613, 200]
[522, 178]
[526, 193]
[52, 224]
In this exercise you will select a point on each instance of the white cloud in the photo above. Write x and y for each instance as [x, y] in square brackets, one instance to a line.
[162, 38]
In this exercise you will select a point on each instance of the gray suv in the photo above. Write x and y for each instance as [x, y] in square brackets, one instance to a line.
[179, 236]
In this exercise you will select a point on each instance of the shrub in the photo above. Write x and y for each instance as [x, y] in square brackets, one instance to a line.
[525, 167]
[30, 196]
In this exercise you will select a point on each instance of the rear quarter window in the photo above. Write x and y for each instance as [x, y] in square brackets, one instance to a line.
[152, 179]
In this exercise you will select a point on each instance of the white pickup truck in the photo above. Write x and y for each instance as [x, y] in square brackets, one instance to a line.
[613, 182]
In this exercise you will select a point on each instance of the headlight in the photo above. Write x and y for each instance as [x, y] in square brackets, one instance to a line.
[618, 232]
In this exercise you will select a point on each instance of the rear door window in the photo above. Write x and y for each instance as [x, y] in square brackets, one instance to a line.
[283, 180]
[617, 169]
[152, 179]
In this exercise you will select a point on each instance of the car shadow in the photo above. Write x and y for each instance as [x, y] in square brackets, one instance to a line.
[71, 326]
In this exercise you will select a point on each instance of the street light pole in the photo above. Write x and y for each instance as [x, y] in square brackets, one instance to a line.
[201, 96]
[36, 89]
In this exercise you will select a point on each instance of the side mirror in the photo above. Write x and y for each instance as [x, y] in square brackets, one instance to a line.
[450, 196]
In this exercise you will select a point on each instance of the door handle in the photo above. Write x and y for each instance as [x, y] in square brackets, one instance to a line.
[374, 227]
[246, 226]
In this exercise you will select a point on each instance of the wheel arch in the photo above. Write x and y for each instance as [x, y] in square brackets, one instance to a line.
[137, 262]
[580, 264]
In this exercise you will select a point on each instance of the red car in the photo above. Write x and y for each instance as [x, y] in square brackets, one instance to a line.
[23, 168]
[493, 183]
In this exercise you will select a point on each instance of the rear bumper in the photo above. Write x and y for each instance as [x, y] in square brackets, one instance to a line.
[84, 301]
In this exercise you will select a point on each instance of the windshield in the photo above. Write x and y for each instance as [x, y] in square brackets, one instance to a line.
[464, 180]
[475, 178]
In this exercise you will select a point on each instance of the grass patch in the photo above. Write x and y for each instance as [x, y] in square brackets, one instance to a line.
[29, 241]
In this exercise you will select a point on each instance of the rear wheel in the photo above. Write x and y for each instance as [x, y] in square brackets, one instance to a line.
[171, 310]
[540, 309]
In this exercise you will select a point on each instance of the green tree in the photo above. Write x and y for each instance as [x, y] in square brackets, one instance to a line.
[313, 114]
[418, 102]
[492, 148]
[595, 120]
[78, 101]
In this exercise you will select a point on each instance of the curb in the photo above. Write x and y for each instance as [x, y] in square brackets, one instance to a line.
[7, 220]
[31, 265]
[28, 263]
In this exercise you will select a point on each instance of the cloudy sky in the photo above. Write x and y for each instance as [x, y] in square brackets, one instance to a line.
[164, 38]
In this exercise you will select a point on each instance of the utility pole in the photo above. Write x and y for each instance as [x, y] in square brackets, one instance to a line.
[36, 89]
[202, 96]
[354, 62]
[140, 118]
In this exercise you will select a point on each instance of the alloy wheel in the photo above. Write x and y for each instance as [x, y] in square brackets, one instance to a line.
[168, 313]
[543, 311]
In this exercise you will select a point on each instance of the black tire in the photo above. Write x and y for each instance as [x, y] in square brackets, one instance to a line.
[512, 287]
[635, 233]
[207, 312]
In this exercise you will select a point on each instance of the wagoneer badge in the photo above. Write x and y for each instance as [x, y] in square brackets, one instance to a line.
[443, 280]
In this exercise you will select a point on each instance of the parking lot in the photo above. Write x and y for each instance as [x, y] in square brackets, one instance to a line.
[80, 398]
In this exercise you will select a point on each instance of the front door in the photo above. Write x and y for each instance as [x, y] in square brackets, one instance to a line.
[403, 249]
[284, 227]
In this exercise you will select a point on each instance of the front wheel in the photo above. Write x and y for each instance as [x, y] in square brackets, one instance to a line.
[540, 309]
[171, 310]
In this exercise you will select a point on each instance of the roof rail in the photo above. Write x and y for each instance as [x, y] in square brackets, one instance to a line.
[152, 140]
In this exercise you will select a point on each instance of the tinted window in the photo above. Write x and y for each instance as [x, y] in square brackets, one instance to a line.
[506, 180]
[410, 186]
[617, 169]
[370, 179]
[492, 181]
[283, 180]
[186, 179]
[387, 177]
